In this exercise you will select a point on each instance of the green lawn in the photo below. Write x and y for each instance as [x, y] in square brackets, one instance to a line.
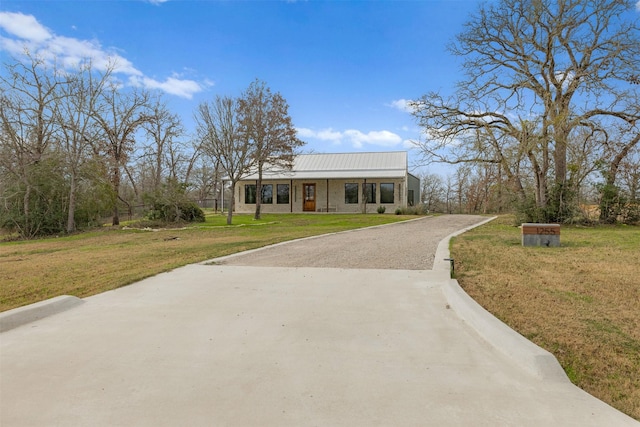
[88, 263]
[581, 301]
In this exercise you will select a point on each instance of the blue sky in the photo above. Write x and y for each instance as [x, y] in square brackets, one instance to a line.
[345, 67]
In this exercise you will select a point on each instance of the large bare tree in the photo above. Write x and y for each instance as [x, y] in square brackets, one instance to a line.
[265, 118]
[162, 129]
[224, 138]
[537, 72]
[28, 98]
[120, 114]
[76, 130]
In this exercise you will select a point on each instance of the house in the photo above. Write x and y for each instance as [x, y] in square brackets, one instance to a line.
[340, 182]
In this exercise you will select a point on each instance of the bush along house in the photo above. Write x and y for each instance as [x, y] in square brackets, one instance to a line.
[340, 182]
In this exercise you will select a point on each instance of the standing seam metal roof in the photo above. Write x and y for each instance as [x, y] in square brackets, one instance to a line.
[343, 165]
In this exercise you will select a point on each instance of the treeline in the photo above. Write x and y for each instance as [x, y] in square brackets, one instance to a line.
[547, 117]
[483, 189]
[77, 146]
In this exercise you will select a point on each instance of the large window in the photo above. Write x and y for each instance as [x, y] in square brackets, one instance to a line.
[267, 194]
[350, 193]
[283, 194]
[250, 194]
[369, 192]
[386, 193]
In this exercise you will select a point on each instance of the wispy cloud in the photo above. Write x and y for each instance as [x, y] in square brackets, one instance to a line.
[24, 26]
[402, 105]
[638, 6]
[25, 32]
[356, 138]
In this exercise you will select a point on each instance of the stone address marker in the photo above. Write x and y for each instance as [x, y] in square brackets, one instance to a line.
[540, 234]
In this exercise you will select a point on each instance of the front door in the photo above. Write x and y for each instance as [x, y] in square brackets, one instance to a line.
[309, 199]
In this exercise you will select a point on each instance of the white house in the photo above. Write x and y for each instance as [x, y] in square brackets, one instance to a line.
[340, 182]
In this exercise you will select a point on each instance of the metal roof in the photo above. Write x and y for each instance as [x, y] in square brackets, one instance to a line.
[342, 166]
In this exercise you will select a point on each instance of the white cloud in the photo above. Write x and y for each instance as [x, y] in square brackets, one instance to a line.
[402, 105]
[382, 138]
[356, 138]
[25, 32]
[23, 26]
[638, 6]
[172, 85]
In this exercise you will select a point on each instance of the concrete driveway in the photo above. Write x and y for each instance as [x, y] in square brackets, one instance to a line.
[216, 344]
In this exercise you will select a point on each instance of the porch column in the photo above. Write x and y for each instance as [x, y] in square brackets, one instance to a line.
[327, 196]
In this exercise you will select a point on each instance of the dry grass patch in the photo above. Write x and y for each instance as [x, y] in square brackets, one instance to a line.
[90, 263]
[580, 301]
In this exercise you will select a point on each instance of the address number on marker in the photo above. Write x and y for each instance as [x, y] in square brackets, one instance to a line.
[547, 230]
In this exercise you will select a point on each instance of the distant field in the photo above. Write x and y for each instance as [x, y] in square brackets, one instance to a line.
[89, 263]
[581, 301]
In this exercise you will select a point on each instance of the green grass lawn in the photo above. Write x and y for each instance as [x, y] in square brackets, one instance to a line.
[581, 301]
[88, 263]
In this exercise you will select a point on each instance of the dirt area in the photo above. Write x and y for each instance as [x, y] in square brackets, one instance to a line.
[409, 245]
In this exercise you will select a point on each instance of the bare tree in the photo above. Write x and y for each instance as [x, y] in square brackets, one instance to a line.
[630, 171]
[28, 98]
[265, 118]
[224, 139]
[206, 179]
[162, 129]
[618, 148]
[76, 129]
[432, 191]
[120, 115]
[556, 65]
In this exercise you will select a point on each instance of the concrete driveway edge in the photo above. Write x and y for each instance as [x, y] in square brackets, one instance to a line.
[30, 313]
[442, 253]
[524, 353]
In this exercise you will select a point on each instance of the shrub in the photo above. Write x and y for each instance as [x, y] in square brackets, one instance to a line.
[170, 204]
[177, 211]
[420, 209]
[381, 209]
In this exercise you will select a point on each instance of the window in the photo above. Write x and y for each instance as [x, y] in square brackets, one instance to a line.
[267, 194]
[283, 194]
[369, 191]
[250, 194]
[386, 193]
[350, 193]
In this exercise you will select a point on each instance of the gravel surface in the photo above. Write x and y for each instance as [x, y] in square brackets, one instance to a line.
[409, 245]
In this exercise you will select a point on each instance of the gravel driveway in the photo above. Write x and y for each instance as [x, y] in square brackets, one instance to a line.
[409, 245]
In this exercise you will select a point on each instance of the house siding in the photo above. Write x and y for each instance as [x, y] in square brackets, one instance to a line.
[329, 196]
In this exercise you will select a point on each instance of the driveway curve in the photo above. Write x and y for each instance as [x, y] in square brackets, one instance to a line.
[409, 245]
[261, 339]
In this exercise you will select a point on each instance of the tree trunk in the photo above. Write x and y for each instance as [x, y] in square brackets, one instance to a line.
[26, 201]
[71, 222]
[232, 203]
[258, 193]
[116, 190]
[559, 192]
